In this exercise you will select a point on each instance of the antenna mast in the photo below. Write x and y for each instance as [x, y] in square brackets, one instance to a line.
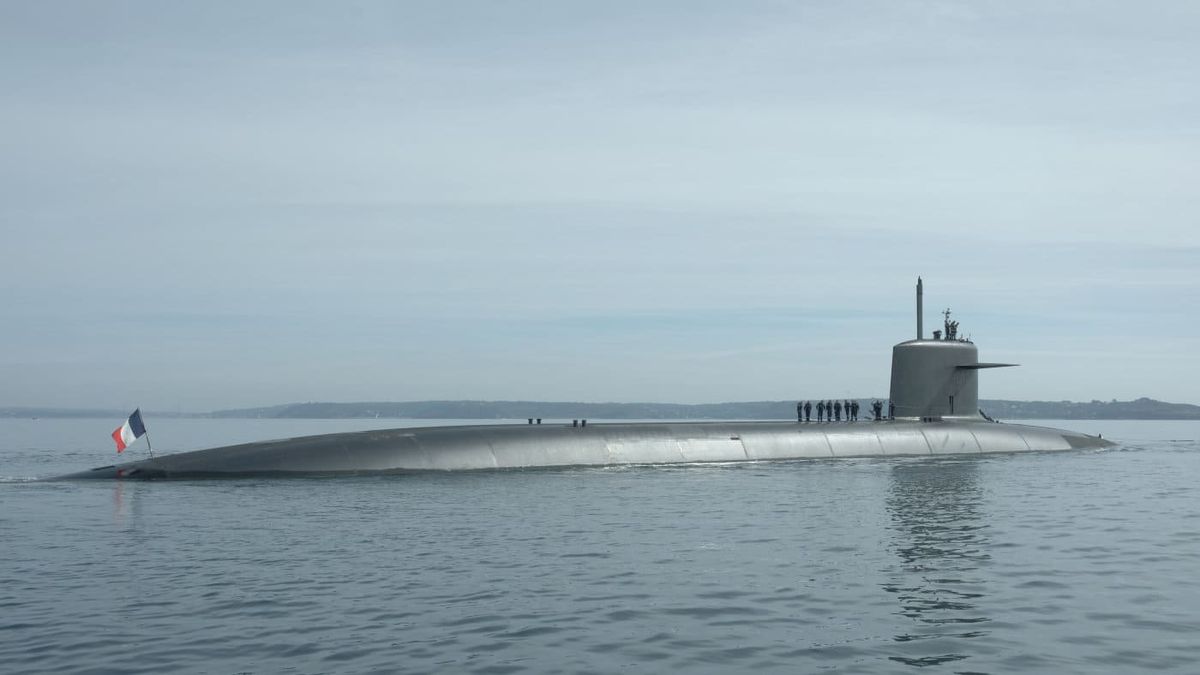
[920, 309]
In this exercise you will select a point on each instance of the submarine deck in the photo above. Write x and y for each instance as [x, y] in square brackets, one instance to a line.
[511, 446]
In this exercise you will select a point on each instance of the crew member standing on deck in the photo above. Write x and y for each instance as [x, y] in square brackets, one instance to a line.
[820, 411]
[799, 411]
[807, 411]
[837, 410]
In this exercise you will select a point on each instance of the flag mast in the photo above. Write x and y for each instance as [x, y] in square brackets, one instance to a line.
[145, 431]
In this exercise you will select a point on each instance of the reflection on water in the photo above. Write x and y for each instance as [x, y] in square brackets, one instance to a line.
[119, 501]
[941, 541]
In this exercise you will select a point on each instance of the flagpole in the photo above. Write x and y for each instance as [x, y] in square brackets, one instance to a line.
[148, 447]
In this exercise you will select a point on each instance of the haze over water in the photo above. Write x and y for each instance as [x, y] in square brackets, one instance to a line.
[1066, 562]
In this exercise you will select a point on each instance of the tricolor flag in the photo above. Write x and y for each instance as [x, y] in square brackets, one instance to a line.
[129, 432]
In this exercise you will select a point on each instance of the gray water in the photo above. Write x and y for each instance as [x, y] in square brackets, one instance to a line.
[1081, 562]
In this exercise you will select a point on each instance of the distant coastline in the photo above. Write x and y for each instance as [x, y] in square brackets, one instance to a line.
[1139, 409]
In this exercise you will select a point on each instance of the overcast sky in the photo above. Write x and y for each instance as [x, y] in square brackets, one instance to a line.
[209, 205]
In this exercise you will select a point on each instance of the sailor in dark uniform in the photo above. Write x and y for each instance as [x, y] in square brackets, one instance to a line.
[820, 411]
[837, 410]
[800, 411]
[808, 411]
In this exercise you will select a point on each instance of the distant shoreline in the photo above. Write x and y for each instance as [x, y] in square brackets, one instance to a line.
[1139, 409]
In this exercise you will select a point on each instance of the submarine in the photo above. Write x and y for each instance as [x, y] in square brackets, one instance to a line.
[934, 410]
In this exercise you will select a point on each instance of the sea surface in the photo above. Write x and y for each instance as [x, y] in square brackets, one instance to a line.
[1073, 562]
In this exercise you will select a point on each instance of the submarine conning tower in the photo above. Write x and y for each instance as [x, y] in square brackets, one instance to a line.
[937, 378]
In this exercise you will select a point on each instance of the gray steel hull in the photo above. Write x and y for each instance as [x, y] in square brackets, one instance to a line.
[466, 448]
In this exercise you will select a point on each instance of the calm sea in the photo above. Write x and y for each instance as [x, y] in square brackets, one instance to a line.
[1075, 562]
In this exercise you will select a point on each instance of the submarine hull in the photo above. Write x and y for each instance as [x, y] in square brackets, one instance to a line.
[498, 447]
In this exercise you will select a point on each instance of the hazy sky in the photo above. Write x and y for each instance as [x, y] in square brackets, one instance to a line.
[211, 204]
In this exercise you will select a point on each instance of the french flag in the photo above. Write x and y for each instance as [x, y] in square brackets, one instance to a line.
[129, 432]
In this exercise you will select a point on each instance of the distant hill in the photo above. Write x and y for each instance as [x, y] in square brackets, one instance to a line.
[28, 413]
[520, 410]
[1142, 408]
